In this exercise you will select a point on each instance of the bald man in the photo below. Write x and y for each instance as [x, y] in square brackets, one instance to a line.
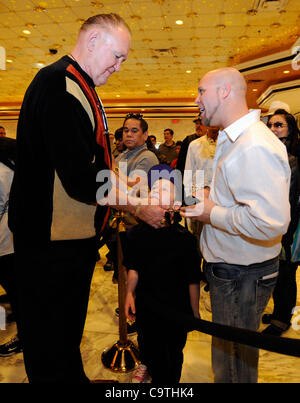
[63, 143]
[246, 212]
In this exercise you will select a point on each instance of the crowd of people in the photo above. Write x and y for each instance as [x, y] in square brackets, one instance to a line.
[221, 207]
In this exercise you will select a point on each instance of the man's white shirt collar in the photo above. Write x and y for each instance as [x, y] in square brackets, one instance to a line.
[239, 126]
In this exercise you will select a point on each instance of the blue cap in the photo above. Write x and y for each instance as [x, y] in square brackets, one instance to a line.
[160, 171]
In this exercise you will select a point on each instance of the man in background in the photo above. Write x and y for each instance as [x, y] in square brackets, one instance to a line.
[119, 144]
[2, 132]
[200, 130]
[167, 150]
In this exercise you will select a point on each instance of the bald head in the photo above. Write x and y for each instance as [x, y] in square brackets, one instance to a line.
[229, 76]
[103, 44]
[222, 97]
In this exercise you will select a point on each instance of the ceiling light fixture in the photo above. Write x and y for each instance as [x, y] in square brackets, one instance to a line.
[252, 12]
[275, 25]
[179, 22]
[38, 65]
[192, 15]
[286, 72]
[26, 32]
[188, 71]
[39, 9]
[97, 4]
[135, 17]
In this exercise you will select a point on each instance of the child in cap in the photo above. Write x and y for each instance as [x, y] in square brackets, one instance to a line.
[163, 275]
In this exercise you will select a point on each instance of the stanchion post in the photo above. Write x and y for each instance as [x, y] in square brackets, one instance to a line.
[123, 356]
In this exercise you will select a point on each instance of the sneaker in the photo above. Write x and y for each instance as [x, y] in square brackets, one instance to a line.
[140, 375]
[12, 347]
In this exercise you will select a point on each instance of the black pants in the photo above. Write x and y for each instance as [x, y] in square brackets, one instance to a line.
[161, 349]
[53, 285]
[7, 280]
[285, 293]
[6, 273]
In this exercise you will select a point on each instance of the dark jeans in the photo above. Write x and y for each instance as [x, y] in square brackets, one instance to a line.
[239, 295]
[161, 349]
[53, 285]
[285, 292]
[7, 280]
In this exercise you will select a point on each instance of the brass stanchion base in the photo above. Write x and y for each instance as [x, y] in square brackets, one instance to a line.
[121, 358]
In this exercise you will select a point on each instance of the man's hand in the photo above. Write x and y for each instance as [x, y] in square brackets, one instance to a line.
[130, 306]
[200, 211]
[152, 215]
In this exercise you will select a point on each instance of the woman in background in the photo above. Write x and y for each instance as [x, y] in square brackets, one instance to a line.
[284, 126]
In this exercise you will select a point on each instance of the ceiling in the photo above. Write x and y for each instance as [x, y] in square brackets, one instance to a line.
[166, 59]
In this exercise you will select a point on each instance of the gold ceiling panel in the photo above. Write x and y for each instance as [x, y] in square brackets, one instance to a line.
[166, 60]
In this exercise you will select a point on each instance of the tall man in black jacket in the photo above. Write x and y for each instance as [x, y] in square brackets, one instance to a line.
[63, 143]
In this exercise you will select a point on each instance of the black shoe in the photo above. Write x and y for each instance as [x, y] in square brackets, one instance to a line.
[266, 319]
[273, 330]
[12, 347]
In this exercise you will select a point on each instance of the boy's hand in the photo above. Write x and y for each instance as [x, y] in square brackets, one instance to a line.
[130, 306]
[197, 315]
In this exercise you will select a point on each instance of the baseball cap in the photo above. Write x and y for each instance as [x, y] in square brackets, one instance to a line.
[277, 105]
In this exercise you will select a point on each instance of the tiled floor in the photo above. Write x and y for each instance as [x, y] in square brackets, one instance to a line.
[101, 331]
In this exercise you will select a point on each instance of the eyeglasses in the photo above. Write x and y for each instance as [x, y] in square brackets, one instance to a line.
[277, 125]
[137, 116]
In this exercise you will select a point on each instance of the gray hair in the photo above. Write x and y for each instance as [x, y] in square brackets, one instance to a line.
[105, 21]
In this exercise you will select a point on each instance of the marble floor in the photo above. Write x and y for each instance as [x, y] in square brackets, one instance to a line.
[101, 331]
